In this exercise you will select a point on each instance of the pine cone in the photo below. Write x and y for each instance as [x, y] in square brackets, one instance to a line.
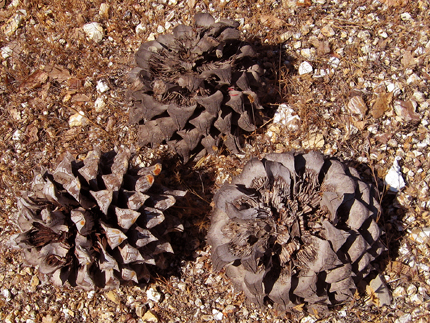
[195, 87]
[297, 229]
[97, 222]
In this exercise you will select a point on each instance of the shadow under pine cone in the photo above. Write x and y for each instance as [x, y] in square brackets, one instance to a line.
[196, 87]
[297, 229]
[96, 222]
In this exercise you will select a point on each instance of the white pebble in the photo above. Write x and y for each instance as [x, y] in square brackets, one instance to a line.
[140, 29]
[153, 295]
[399, 292]
[6, 52]
[99, 104]
[217, 315]
[77, 120]
[286, 116]
[160, 29]
[406, 318]
[151, 37]
[334, 61]
[6, 294]
[308, 319]
[102, 87]
[405, 16]
[394, 177]
[17, 135]
[94, 31]
[413, 78]
[305, 68]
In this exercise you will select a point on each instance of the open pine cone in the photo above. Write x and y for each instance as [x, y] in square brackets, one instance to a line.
[296, 229]
[97, 222]
[196, 87]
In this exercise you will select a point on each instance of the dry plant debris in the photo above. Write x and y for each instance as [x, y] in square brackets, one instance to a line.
[52, 70]
[97, 222]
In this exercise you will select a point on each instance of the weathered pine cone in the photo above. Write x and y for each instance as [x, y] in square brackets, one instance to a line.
[196, 87]
[96, 222]
[296, 229]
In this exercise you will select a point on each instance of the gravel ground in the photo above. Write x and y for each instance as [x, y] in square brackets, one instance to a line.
[353, 76]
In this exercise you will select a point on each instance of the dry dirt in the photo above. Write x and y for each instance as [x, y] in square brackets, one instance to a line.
[365, 100]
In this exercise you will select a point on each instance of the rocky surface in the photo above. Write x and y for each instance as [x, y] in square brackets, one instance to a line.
[355, 73]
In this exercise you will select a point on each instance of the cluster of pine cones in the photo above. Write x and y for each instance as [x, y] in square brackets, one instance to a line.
[291, 229]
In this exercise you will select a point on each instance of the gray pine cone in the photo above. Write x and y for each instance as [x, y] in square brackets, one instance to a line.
[296, 229]
[97, 222]
[196, 87]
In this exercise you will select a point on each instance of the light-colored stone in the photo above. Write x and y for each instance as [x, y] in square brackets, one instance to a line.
[14, 22]
[102, 86]
[94, 31]
[149, 317]
[305, 68]
[99, 105]
[77, 120]
[153, 295]
[394, 177]
[327, 31]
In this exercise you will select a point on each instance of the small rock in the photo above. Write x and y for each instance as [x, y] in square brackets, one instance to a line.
[151, 36]
[308, 319]
[334, 62]
[406, 110]
[104, 10]
[149, 317]
[99, 104]
[230, 309]
[399, 292]
[394, 177]
[406, 318]
[412, 289]
[182, 286]
[413, 79]
[286, 116]
[6, 52]
[217, 315]
[102, 87]
[417, 299]
[286, 36]
[140, 29]
[306, 53]
[77, 120]
[153, 295]
[112, 296]
[34, 282]
[419, 97]
[140, 309]
[357, 106]
[48, 319]
[94, 31]
[405, 16]
[14, 22]
[160, 29]
[17, 135]
[327, 31]
[305, 68]
[6, 294]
